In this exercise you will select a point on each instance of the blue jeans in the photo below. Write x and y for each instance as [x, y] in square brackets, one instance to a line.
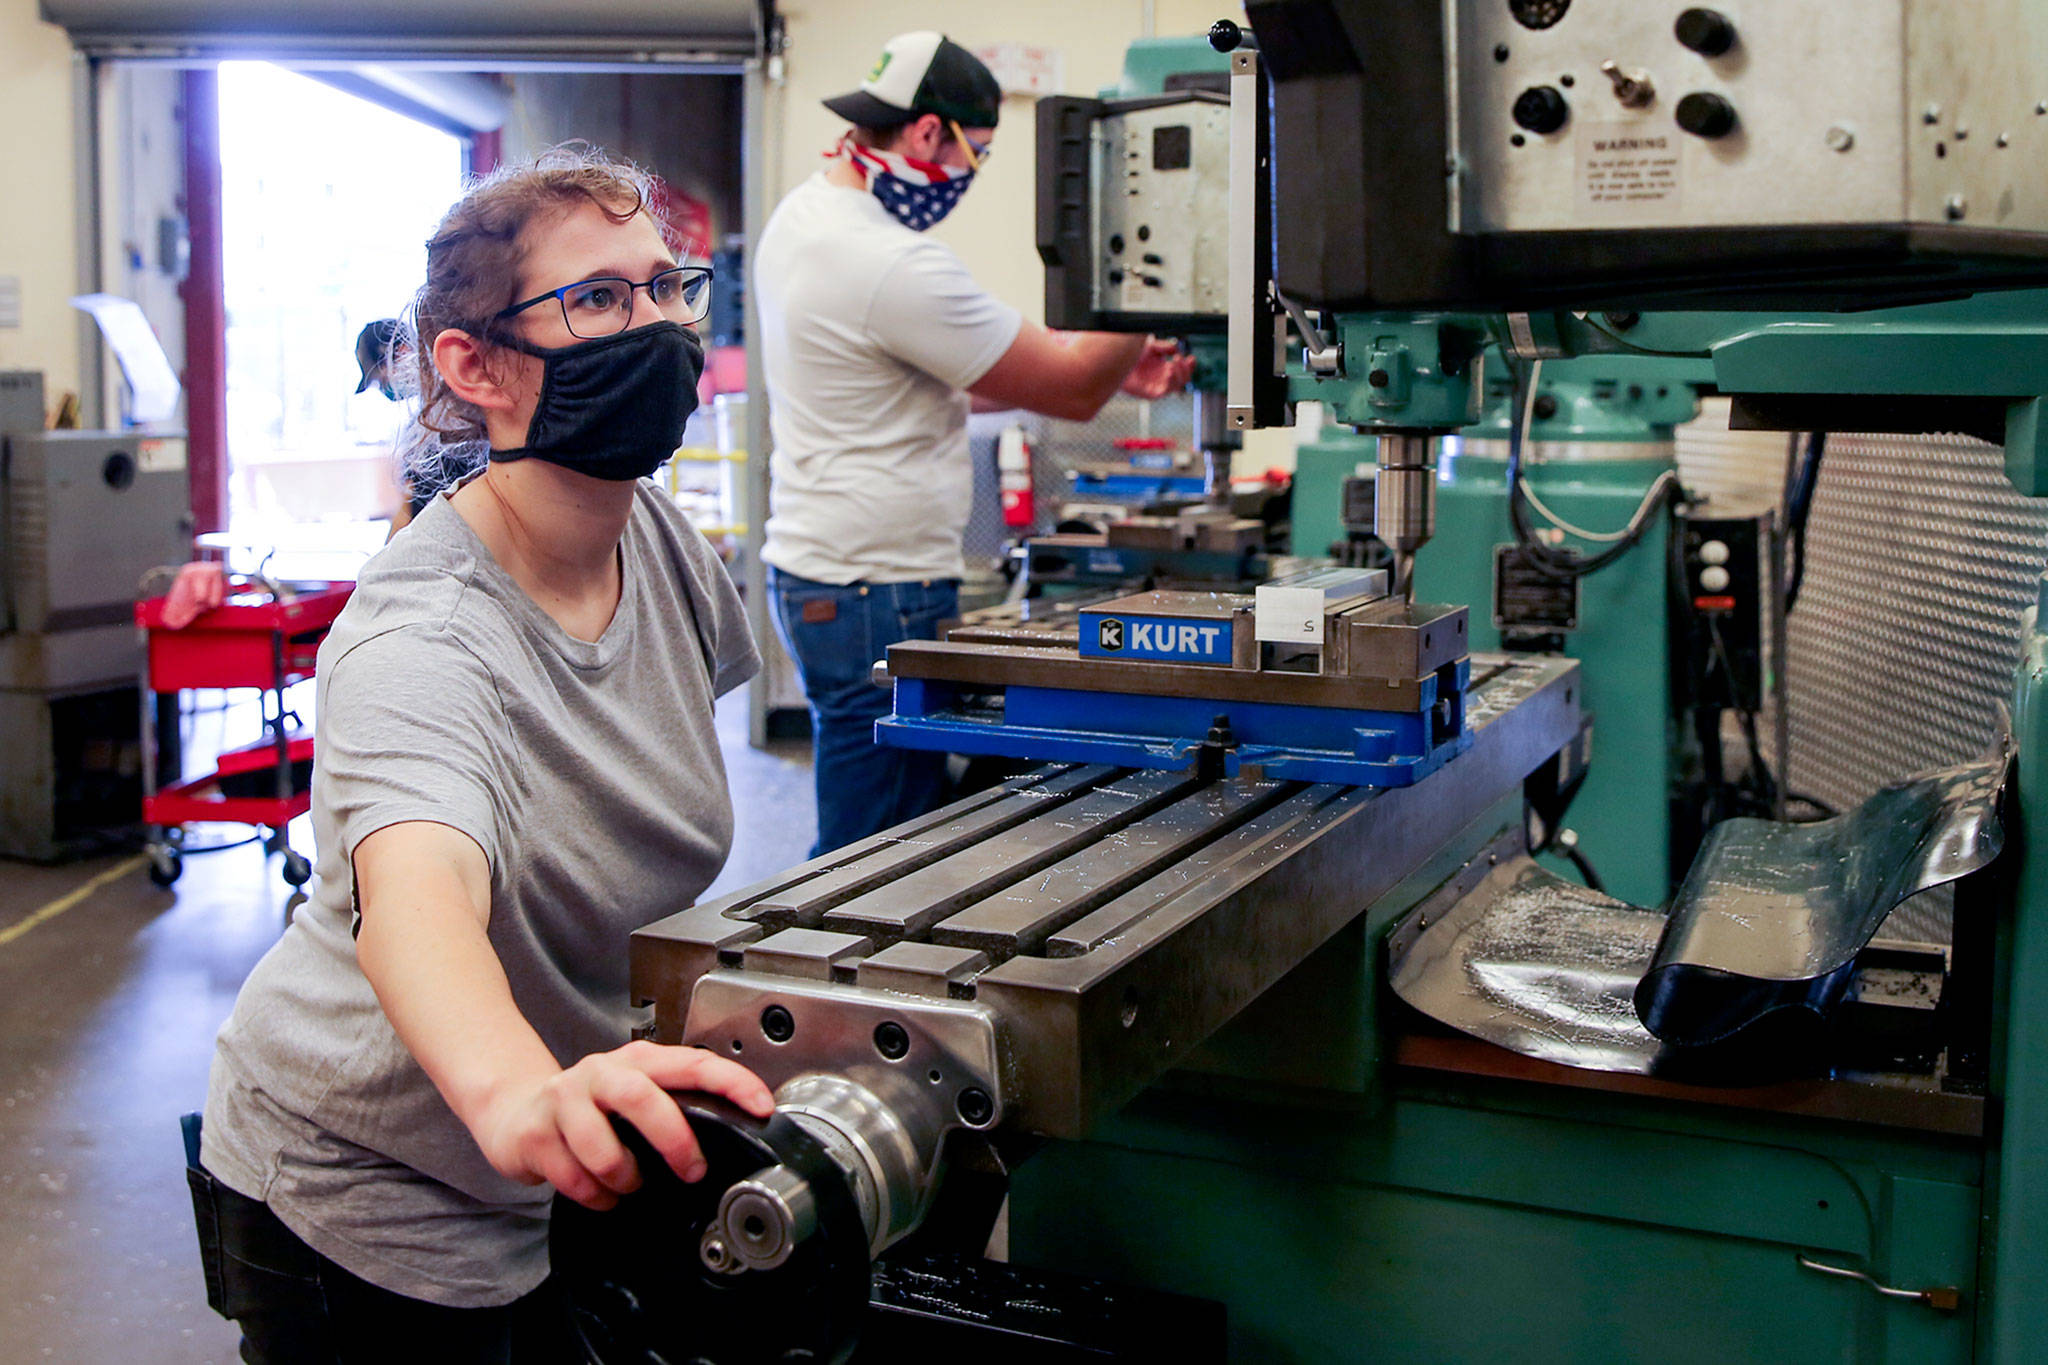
[836, 634]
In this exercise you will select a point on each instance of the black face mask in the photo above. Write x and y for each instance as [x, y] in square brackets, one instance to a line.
[613, 408]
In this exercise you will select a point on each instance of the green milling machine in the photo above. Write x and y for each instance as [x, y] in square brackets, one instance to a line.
[1601, 434]
[1277, 1069]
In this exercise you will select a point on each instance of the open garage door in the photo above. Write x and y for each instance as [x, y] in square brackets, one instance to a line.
[454, 64]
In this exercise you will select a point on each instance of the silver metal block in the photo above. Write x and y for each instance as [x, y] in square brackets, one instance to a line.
[1397, 639]
[919, 968]
[879, 1078]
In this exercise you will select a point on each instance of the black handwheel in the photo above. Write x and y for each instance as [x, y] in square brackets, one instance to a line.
[640, 1294]
[165, 866]
[297, 871]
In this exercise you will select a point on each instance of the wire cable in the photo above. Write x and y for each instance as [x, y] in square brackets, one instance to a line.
[1571, 850]
[1585, 867]
[1761, 775]
[1798, 509]
[1654, 494]
[1551, 562]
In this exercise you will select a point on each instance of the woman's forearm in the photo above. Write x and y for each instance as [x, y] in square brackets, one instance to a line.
[445, 992]
[425, 894]
[425, 891]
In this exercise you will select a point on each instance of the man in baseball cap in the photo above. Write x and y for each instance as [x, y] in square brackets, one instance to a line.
[875, 341]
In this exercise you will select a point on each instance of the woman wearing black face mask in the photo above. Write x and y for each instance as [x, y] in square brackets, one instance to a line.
[515, 768]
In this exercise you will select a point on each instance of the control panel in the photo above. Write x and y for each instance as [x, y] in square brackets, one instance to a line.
[1656, 113]
[1730, 589]
[1776, 154]
[1160, 243]
[1132, 221]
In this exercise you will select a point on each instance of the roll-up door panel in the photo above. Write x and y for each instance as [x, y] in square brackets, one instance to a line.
[394, 28]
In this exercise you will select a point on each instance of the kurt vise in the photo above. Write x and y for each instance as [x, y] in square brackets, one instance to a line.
[1322, 676]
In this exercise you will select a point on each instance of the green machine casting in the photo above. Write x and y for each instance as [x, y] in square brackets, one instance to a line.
[1600, 435]
[1350, 1201]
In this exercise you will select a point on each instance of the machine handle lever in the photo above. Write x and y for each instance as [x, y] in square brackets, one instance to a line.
[1941, 1298]
[1319, 354]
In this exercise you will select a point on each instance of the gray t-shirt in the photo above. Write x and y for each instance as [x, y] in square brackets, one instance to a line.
[589, 774]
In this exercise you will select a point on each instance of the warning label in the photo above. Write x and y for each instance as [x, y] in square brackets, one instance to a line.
[1626, 169]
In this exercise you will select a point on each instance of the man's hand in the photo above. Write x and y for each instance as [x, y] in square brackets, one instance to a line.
[557, 1128]
[197, 589]
[1161, 369]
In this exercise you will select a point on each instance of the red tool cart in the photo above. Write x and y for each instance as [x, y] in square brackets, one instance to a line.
[264, 636]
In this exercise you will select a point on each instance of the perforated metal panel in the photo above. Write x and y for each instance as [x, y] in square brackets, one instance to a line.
[1737, 471]
[1920, 557]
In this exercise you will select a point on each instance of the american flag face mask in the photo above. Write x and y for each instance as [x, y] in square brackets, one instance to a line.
[916, 193]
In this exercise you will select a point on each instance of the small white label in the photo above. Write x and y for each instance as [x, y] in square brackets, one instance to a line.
[1291, 610]
[1024, 68]
[1289, 615]
[1628, 168]
[10, 300]
[157, 454]
[1011, 451]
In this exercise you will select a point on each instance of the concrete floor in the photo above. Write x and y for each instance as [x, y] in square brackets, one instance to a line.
[109, 1001]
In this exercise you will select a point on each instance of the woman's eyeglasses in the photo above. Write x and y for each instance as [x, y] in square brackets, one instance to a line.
[603, 306]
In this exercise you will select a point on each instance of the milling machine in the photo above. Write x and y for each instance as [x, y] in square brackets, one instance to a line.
[1251, 996]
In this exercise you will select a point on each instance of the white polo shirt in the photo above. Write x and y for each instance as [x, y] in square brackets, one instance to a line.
[869, 334]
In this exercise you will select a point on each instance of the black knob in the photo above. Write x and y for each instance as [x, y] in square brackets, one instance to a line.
[892, 1040]
[1541, 109]
[1224, 36]
[975, 1107]
[1705, 31]
[1705, 115]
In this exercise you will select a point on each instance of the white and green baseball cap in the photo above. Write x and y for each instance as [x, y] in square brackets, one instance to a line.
[923, 73]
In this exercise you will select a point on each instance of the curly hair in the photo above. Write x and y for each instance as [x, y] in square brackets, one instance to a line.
[473, 266]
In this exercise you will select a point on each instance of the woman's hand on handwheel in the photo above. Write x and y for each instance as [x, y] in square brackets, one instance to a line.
[557, 1128]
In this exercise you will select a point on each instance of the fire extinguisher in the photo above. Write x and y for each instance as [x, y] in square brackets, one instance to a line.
[1013, 478]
